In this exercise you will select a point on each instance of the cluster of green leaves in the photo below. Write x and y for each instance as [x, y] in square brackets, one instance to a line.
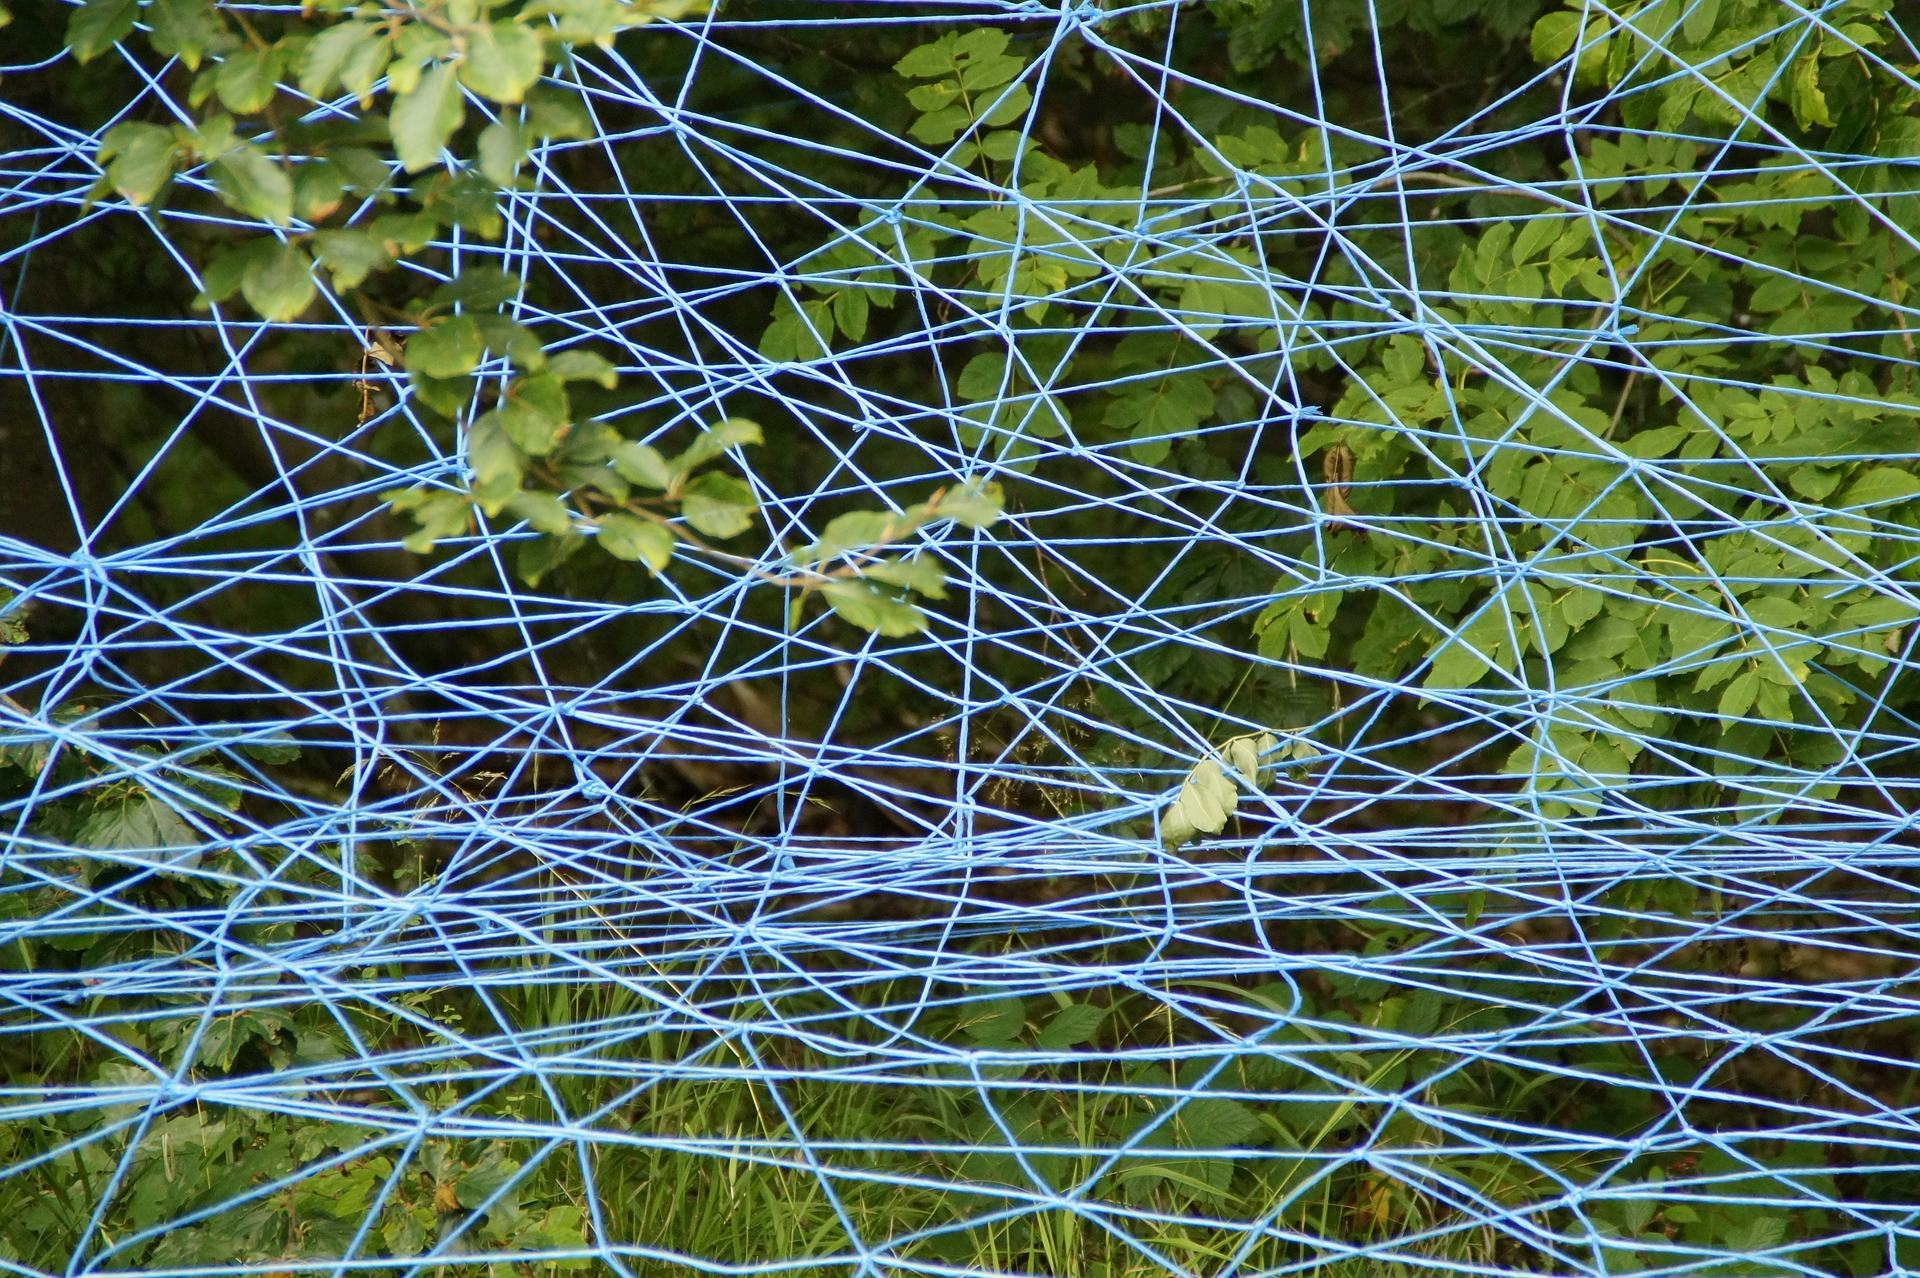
[1677, 527]
[258, 1187]
[356, 194]
[318, 178]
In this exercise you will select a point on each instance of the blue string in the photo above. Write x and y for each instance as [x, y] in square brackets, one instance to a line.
[701, 943]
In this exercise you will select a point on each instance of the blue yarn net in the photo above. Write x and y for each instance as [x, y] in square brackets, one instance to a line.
[415, 949]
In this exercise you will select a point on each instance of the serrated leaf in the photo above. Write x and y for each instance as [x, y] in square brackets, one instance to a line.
[1881, 487]
[639, 540]
[1159, 411]
[1216, 1122]
[993, 1021]
[1072, 1025]
[136, 821]
[423, 119]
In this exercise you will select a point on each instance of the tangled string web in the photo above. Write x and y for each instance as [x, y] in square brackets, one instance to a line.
[1414, 780]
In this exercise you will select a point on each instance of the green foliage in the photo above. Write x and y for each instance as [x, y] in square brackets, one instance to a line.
[1694, 530]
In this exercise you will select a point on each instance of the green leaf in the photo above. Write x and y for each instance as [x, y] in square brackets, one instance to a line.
[540, 556]
[557, 113]
[248, 79]
[136, 822]
[1554, 36]
[717, 505]
[498, 464]
[543, 512]
[641, 464]
[878, 611]
[279, 284]
[329, 53]
[920, 574]
[797, 334]
[252, 182]
[142, 158]
[1809, 102]
[186, 29]
[993, 1021]
[972, 505]
[503, 61]
[734, 432]
[501, 150]
[270, 751]
[1159, 411]
[350, 255]
[476, 288]
[223, 274]
[1738, 696]
[437, 514]
[1216, 1122]
[927, 61]
[513, 339]
[425, 118]
[1881, 487]
[1072, 1025]
[362, 169]
[366, 61]
[450, 348]
[1464, 658]
[483, 1181]
[1247, 757]
[582, 366]
[97, 26]
[855, 530]
[534, 413]
[1700, 20]
[316, 191]
[1205, 801]
[629, 537]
